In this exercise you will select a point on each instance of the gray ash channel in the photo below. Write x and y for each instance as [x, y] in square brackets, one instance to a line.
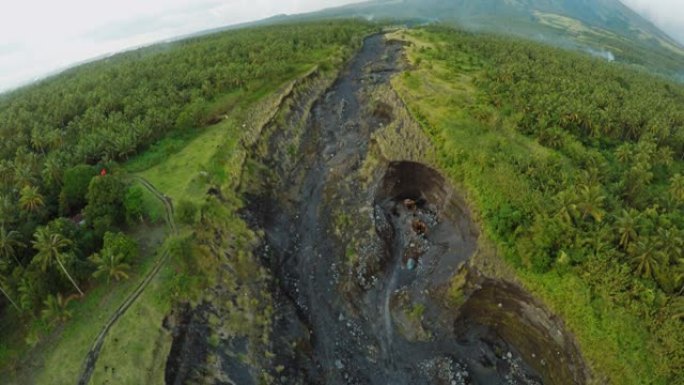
[318, 338]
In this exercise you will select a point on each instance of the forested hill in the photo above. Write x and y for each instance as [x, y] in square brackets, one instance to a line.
[610, 15]
[147, 93]
[589, 25]
[65, 199]
[576, 167]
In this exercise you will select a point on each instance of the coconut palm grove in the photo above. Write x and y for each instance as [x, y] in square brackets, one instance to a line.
[431, 195]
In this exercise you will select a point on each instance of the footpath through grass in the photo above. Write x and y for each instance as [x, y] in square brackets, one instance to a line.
[136, 348]
[183, 165]
[192, 157]
[58, 357]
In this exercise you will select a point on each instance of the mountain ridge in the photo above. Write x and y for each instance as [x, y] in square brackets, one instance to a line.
[611, 15]
[591, 26]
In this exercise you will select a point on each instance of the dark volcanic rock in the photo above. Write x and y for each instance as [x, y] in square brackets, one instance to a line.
[382, 323]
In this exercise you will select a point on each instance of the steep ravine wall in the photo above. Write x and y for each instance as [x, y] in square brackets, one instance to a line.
[345, 189]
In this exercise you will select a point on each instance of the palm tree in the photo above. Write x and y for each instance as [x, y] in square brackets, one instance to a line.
[627, 225]
[23, 176]
[8, 209]
[30, 199]
[9, 243]
[27, 293]
[679, 274]
[623, 153]
[50, 250]
[53, 170]
[599, 241]
[646, 258]
[677, 187]
[124, 144]
[111, 265]
[3, 282]
[6, 172]
[591, 202]
[39, 141]
[670, 242]
[551, 137]
[55, 139]
[665, 156]
[567, 206]
[55, 310]
[678, 308]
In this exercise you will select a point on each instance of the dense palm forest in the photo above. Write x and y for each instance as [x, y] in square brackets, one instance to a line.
[617, 219]
[65, 203]
[577, 168]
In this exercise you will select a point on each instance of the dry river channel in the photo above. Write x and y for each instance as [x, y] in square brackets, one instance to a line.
[388, 323]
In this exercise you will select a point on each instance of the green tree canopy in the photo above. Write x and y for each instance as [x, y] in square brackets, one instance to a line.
[75, 188]
[105, 207]
[50, 247]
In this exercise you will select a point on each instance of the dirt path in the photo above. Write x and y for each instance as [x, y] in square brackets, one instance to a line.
[94, 352]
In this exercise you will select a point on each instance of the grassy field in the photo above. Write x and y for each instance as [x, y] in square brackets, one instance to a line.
[180, 175]
[135, 349]
[474, 145]
[181, 167]
[213, 93]
[474, 152]
[66, 347]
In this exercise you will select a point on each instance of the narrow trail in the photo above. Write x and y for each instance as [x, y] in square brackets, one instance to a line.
[94, 352]
[168, 206]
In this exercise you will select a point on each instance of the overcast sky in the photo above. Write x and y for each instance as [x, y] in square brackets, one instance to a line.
[40, 36]
[666, 14]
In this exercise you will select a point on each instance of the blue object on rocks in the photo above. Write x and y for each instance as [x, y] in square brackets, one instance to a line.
[411, 264]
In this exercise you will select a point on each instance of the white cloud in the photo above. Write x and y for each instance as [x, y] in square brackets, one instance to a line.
[41, 36]
[666, 14]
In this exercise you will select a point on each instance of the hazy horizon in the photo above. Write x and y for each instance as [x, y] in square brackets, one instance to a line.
[36, 44]
[77, 31]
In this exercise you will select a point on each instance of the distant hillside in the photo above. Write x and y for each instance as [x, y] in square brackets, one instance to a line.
[595, 26]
